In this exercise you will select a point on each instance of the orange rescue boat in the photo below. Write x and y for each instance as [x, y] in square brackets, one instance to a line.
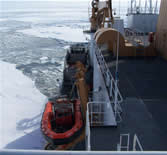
[62, 121]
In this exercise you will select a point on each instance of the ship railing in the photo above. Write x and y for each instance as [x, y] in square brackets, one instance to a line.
[97, 113]
[87, 132]
[111, 85]
[136, 143]
[68, 152]
[143, 10]
[124, 144]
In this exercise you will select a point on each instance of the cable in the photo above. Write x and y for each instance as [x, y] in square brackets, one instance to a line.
[116, 71]
[117, 53]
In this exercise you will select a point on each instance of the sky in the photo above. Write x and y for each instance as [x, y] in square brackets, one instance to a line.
[44, 0]
[122, 1]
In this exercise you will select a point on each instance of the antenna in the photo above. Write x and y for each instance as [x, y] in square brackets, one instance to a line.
[145, 6]
[131, 6]
[151, 7]
[156, 3]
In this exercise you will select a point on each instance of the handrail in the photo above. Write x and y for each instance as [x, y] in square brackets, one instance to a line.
[87, 134]
[42, 152]
[110, 84]
[121, 146]
[135, 142]
[91, 113]
[88, 123]
[126, 146]
[108, 72]
[142, 10]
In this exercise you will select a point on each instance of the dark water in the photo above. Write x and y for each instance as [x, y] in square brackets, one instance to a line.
[39, 56]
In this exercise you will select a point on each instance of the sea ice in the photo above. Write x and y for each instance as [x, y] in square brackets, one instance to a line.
[4, 29]
[21, 107]
[44, 59]
[64, 33]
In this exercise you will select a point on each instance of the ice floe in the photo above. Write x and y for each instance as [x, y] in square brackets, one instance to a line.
[64, 33]
[21, 107]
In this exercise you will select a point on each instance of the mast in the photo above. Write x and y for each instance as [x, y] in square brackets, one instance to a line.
[110, 8]
[131, 5]
[133, 2]
[140, 6]
[151, 7]
[156, 3]
[145, 6]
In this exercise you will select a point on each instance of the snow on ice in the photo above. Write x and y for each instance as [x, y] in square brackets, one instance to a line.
[63, 32]
[21, 107]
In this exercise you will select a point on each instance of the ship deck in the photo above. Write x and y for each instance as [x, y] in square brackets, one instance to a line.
[143, 85]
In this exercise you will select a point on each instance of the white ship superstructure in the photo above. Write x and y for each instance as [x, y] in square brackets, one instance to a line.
[143, 15]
